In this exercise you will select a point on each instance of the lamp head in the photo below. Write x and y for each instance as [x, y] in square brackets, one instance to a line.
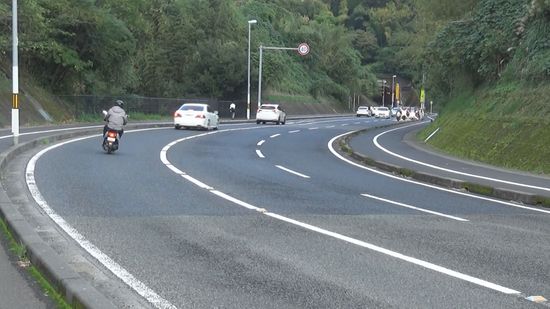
[253, 21]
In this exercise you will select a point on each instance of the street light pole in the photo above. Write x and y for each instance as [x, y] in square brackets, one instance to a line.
[393, 90]
[383, 91]
[250, 22]
[15, 74]
[260, 77]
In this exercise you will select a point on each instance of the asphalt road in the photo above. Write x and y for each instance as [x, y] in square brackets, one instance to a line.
[269, 217]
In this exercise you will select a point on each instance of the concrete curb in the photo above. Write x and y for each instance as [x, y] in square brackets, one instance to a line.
[478, 188]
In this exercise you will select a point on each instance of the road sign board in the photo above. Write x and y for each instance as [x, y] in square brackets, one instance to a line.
[303, 49]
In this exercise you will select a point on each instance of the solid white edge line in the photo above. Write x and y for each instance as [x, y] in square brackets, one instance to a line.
[336, 154]
[375, 141]
[394, 254]
[260, 154]
[414, 207]
[138, 286]
[400, 256]
[292, 172]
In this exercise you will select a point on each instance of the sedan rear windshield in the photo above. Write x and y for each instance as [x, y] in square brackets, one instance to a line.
[198, 108]
[268, 107]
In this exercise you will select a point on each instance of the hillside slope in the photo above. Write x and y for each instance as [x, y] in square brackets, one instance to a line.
[505, 125]
[499, 109]
[37, 106]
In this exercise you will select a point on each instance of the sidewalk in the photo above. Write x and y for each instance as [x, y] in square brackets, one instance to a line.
[18, 290]
[398, 151]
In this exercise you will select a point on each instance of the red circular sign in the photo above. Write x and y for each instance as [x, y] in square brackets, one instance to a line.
[303, 49]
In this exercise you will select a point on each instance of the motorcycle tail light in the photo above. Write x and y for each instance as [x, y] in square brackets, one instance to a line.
[111, 134]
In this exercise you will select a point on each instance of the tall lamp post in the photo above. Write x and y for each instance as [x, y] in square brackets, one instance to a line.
[393, 90]
[383, 91]
[250, 22]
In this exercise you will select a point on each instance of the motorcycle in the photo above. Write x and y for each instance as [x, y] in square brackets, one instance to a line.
[110, 141]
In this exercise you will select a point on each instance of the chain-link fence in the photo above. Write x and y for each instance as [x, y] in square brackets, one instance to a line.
[85, 105]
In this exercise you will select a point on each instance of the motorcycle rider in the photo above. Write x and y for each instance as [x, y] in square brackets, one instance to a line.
[116, 118]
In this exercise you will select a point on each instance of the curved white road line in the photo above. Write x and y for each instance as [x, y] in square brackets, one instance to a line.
[53, 130]
[375, 141]
[427, 265]
[138, 286]
[414, 207]
[336, 154]
[260, 154]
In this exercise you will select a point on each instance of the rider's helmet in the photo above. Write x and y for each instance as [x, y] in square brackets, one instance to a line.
[120, 103]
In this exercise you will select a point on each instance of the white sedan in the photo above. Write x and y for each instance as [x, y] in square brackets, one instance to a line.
[270, 113]
[381, 112]
[196, 115]
[364, 111]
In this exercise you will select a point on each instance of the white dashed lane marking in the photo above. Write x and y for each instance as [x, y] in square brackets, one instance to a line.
[292, 172]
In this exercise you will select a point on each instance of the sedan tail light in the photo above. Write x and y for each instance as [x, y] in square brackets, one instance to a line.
[201, 116]
[176, 114]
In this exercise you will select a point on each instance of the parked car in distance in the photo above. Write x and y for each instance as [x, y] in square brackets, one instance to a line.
[271, 113]
[196, 115]
[381, 112]
[364, 111]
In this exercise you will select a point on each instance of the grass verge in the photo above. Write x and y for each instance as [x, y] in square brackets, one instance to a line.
[21, 252]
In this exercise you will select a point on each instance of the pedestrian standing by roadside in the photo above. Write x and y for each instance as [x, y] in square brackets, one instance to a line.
[232, 108]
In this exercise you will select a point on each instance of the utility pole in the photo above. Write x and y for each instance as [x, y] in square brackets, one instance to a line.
[15, 74]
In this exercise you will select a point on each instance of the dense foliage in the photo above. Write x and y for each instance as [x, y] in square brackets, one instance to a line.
[199, 47]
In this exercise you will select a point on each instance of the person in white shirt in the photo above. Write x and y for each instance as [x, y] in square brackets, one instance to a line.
[232, 110]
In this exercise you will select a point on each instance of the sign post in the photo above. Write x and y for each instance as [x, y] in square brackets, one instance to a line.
[303, 49]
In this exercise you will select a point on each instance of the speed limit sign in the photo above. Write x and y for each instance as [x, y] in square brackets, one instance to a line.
[303, 49]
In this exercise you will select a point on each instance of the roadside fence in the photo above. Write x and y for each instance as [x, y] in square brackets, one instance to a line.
[84, 105]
